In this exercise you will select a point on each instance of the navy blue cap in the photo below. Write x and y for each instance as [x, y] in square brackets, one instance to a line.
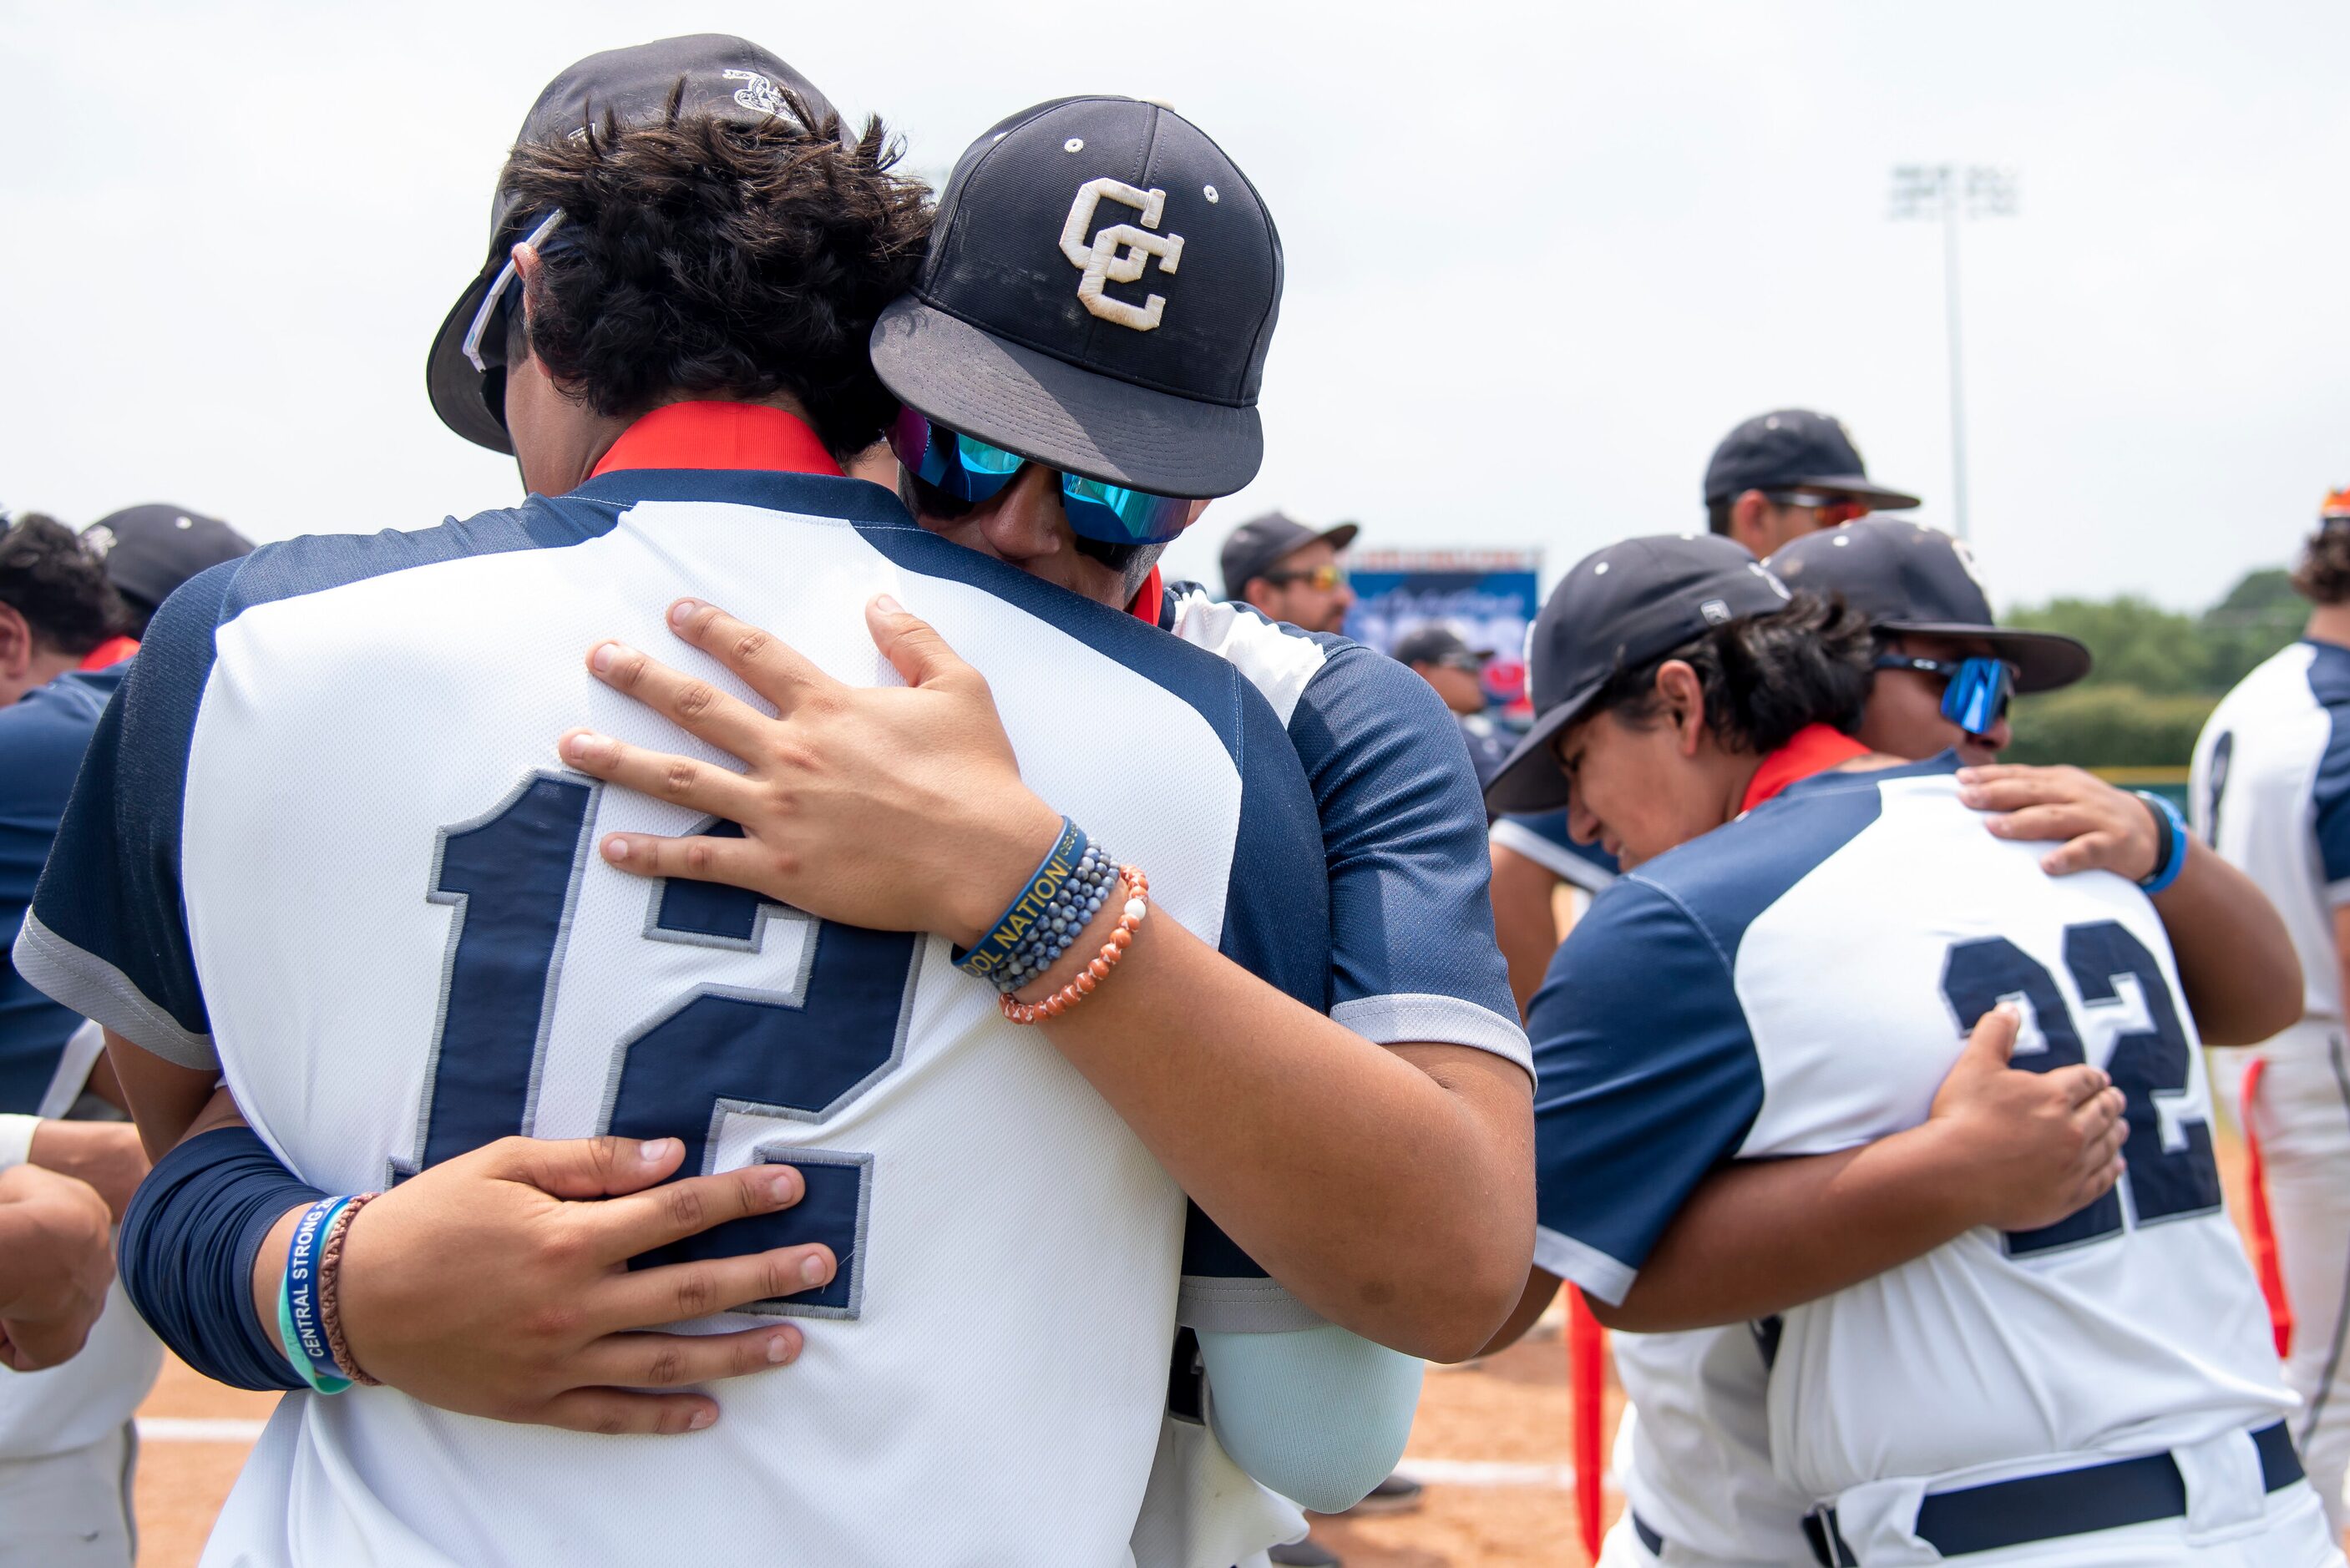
[1906, 577]
[1795, 448]
[1098, 296]
[715, 75]
[1615, 609]
[150, 550]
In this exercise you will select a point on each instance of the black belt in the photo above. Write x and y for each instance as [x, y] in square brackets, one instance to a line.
[2069, 1502]
[1647, 1535]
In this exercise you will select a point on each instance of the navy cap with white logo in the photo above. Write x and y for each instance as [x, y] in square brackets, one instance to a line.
[1101, 290]
[1795, 448]
[713, 74]
[1905, 576]
[1615, 609]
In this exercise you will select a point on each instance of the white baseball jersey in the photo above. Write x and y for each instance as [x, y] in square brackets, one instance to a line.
[1800, 982]
[323, 841]
[2271, 792]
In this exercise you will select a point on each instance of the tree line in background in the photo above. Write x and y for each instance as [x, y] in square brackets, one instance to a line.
[2159, 672]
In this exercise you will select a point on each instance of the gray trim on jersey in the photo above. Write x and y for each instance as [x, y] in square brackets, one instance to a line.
[1406, 1018]
[792, 1154]
[1579, 1263]
[1520, 839]
[400, 1168]
[1223, 1305]
[2337, 893]
[766, 910]
[79, 979]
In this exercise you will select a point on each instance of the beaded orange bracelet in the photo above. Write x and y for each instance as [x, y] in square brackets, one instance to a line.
[1129, 919]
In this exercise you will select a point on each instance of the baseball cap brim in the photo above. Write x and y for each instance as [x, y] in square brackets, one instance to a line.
[2043, 661]
[1059, 414]
[1860, 488]
[460, 393]
[1530, 778]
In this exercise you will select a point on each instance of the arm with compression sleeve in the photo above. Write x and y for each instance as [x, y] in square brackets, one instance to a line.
[187, 1249]
[1318, 1415]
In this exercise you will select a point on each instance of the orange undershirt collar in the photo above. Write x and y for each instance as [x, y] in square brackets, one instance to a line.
[110, 653]
[712, 434]
[1815, 749]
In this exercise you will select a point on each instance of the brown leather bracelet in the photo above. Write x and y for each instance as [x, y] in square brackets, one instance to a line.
[330, 1278]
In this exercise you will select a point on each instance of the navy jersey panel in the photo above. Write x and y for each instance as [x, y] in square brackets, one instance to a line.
[1647, 1073]
[1403, 836]
[1646, 1078]
[2329, 682]
[43, 738]
[112, 890]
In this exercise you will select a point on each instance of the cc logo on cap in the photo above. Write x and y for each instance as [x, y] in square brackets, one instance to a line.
[1119, 252]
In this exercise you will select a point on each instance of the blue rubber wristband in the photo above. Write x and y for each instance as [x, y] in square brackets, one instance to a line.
[984, 957]
[297, 1309]
[2176, 836]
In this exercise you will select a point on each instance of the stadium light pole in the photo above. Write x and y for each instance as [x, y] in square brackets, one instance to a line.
[1954, 194]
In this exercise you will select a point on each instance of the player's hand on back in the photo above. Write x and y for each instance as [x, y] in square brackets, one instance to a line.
[2031, 1148]
[2095, 825]
[496, 1283]
[894, 808]
[56, 1262]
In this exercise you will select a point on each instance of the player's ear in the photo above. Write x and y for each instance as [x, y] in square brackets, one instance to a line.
[1746, 522]
[1683, 696]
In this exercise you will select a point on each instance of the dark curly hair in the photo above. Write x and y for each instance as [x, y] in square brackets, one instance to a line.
[2322, 575]
[1764, 677]
[709, 258]
[58, 583]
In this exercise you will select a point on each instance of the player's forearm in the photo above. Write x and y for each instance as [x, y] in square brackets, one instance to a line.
[1390, 1189]
[164, 1099]
[1760, 1237]
[2236, 961]
[1524, 920]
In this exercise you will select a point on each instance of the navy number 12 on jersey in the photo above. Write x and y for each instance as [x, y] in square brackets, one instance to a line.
[798, 1055]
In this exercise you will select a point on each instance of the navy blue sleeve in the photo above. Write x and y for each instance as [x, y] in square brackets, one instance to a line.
[108, 936]
[187, 1248]
[42, 739]
[1646, 1078]
[1542, 837]
[1403, 842]
[1276, 926]
[2330, 802]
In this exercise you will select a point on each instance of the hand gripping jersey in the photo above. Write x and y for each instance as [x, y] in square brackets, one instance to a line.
[337, 758]
[2271, 792]
[1413, 959]
[1800, 982]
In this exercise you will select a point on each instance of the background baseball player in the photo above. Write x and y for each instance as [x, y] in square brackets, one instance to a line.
[2271, 792]
[2124, 1340]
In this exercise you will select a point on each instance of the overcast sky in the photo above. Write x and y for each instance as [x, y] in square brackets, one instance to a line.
[1540, 257]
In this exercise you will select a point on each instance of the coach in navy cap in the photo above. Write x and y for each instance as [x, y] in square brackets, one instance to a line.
[1786, 473]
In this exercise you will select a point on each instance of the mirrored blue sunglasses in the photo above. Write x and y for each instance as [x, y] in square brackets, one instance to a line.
[972, 470]
[1975, 692]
